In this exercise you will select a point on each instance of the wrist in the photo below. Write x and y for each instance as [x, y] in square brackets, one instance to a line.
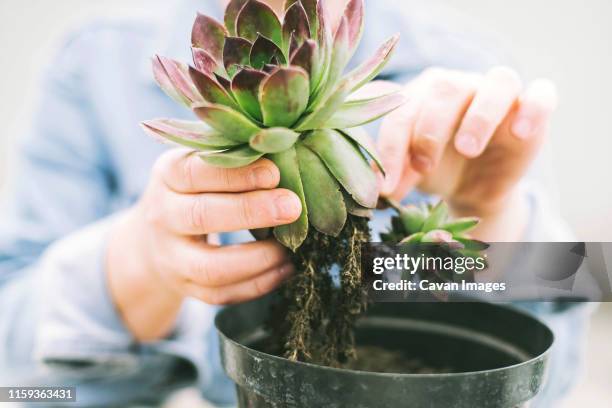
[146, 303]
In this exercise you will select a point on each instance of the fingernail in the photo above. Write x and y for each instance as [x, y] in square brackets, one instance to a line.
[522, 128]
[288, 207]
[262, 176]
[467, 144]
[421, 163]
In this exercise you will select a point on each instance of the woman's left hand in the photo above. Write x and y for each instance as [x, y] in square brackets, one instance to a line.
[466, 137]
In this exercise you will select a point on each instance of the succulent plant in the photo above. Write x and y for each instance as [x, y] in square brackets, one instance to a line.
[431, 231]
[263, 86]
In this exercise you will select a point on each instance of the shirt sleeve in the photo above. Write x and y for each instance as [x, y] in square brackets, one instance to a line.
[57, 319]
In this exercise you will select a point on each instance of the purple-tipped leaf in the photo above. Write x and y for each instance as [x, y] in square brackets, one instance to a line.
[245, 87]
[274, 140]
[348, 165]
[372, 67]
[236, 53]
[264, 52]
[360, 112]
[339, 59]
[363, 139]
[227, 121]
[284, 96]
[209, 34]
[173, 78]
[224, 82]
[203, 61]
[438, 237]
[232, 158]
[324, 38]
[231, 13]
[195, 135]
[295, 25]
[354, 14]
[304, 57]
[210, 89]
[310, 6]
[257, 18]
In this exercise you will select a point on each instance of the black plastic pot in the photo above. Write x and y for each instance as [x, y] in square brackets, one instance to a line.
[499, 356]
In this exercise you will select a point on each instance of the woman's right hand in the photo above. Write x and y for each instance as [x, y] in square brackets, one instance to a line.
[161, 252]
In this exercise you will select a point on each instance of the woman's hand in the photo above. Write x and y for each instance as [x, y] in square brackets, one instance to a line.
[468, 138]
[161, 251]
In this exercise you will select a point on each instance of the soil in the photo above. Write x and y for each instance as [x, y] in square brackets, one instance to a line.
[380, 360]
[374, 359]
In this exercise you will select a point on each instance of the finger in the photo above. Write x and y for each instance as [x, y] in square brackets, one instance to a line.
[448, 96]
[228, 265]
[393, 142]
[493, 101]
[409, 180]
[535, 108]
[199, 214]
[243, 291]
[184, 172]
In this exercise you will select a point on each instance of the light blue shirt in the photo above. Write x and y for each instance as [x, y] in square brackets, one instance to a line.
[86, 158]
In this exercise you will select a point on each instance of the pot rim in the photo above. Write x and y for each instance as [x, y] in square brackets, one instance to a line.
[510, 308]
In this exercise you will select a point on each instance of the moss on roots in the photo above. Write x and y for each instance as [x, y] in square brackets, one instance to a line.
[316, 317]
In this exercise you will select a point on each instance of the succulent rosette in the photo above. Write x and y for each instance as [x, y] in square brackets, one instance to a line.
[431, 231]
[264, 86]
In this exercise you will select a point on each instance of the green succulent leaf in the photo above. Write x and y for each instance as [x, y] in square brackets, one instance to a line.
[355, 209]
[472, 244]
[195, 135]
[245, 87]
[233, 158]
[412, 218]
[284, 96]
[210, 89]
[274, 140]
[231, 14]
[292, 235]
[204, 62]
[319, 117]
[323, 193]
[415, 238]
[461, 225]
[295, 25]
[227, 121]
[367, 71]
[264, 51]
[437, 217]
[362, 138]
[346, 163]
[360, 112]
[236, 53]
[173, 78]
[208, 34]
[257, 18]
